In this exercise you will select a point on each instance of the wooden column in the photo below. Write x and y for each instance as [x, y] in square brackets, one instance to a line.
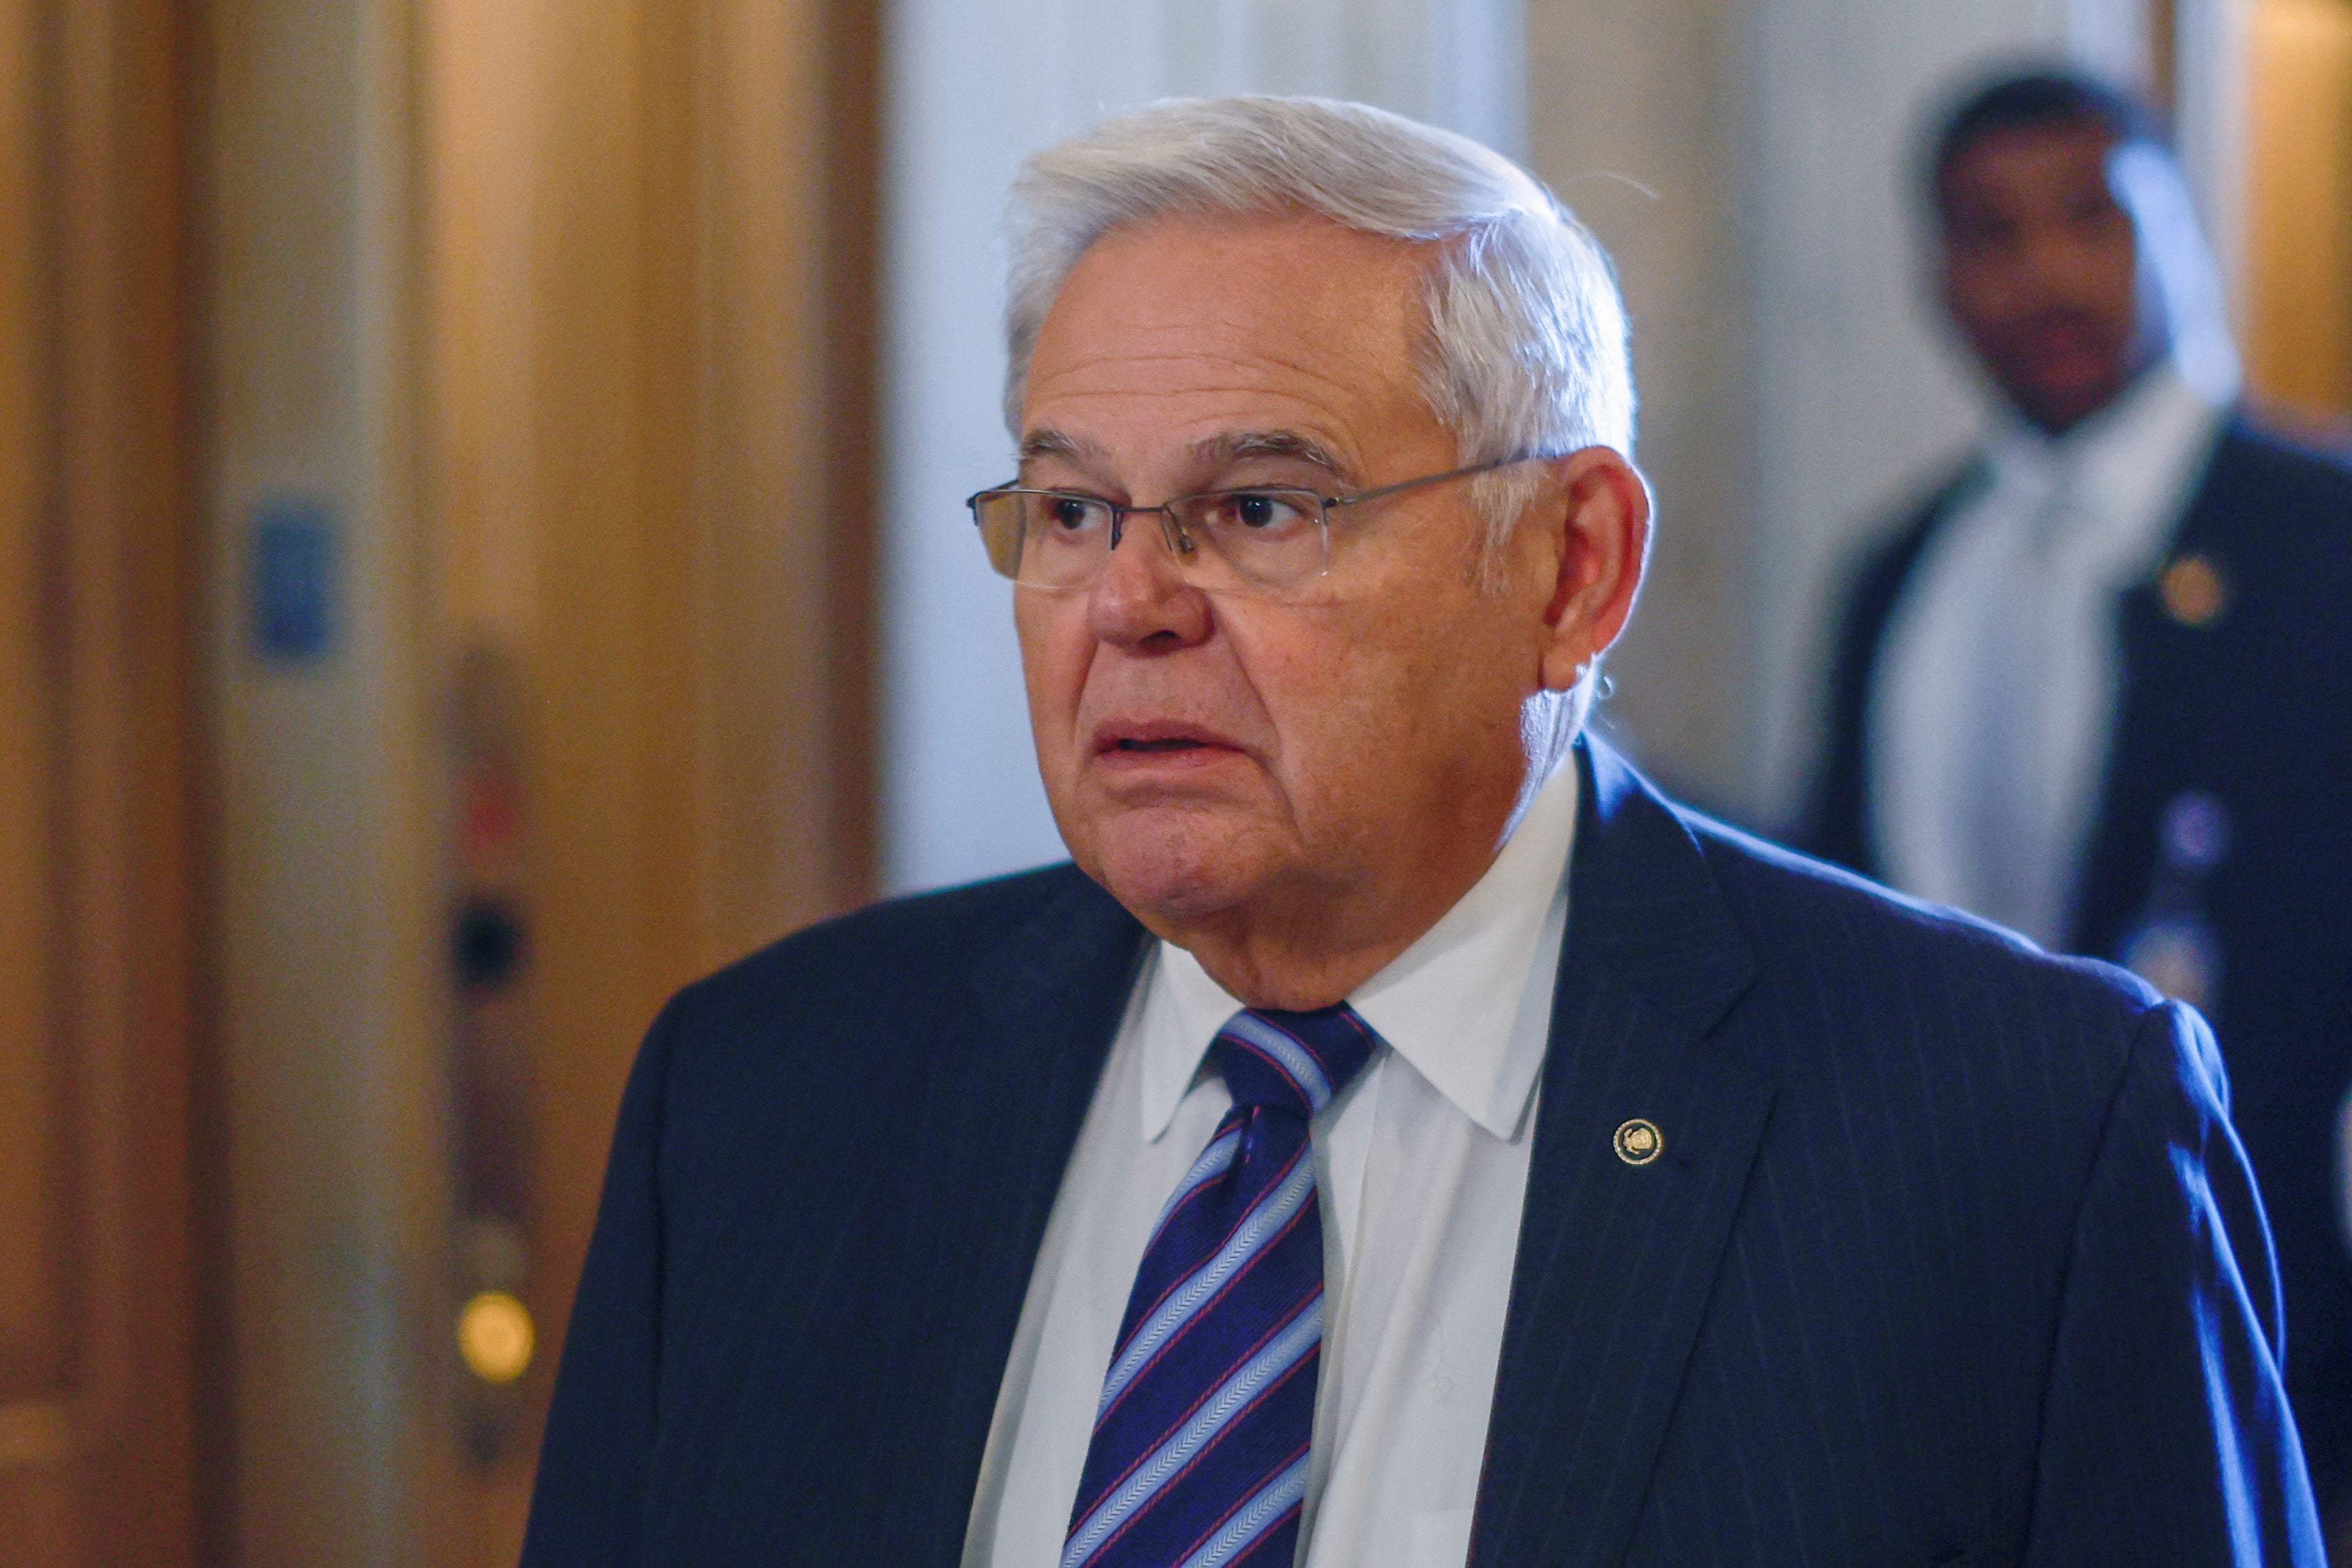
[98, 1462]
[649, 254]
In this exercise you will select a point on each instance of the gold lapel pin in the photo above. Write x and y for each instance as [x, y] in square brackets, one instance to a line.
[1639, 1142]
[2193, 592]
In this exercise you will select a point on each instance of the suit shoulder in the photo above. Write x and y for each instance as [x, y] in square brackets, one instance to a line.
[2283, 458]
[898, 948]
[2264, 488]
[1937, 1018]
[2277, 519]
[1804, 917]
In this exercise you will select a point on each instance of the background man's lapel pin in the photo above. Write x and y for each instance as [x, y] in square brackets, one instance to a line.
[2194, 591]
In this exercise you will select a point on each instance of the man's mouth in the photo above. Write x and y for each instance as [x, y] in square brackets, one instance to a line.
[1146, 738]
[2066, 341]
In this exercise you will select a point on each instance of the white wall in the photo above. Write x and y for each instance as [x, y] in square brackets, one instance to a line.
[1637, 118]
[973, 87]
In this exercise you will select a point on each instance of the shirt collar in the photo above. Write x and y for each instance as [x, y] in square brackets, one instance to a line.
[2124, 472]
[1449, 1004]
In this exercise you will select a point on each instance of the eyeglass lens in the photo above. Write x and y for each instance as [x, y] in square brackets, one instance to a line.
[1269, 541]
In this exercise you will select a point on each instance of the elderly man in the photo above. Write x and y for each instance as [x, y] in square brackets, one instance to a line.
[2094, 686]
[1401, 1137]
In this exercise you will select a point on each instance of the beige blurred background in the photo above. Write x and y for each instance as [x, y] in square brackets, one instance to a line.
[479, 547]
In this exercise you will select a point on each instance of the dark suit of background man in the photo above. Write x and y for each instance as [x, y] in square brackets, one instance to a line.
[1402, 1138]
[2097, 686]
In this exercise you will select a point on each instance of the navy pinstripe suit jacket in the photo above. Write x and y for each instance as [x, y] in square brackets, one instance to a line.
[2253, 707]
[1952, 1258]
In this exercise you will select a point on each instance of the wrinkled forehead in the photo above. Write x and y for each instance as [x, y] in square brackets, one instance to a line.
[1192, 326]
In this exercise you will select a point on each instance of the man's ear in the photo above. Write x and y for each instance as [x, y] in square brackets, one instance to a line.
[1604, 532]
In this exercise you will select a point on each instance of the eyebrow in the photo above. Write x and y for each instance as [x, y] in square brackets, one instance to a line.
[1215, 452]
[1240, 445]
[1051, 443]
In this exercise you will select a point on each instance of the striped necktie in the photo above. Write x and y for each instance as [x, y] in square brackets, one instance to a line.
[1199, 1457]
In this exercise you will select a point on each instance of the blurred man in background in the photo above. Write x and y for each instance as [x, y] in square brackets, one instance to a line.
[2096, 686]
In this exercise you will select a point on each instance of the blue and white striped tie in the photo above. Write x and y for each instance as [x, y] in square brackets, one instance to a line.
[1199, 1457]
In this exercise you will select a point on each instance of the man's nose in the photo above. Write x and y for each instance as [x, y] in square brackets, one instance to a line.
[2058, 260]
[1141, 599]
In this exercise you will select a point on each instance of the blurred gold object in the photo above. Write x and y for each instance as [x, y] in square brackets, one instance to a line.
[495, 1337]
[2192, 591]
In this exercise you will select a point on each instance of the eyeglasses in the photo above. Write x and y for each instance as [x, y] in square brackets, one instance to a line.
[1266, 539]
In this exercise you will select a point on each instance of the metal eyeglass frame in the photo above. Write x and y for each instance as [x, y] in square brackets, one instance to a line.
[1180, 543]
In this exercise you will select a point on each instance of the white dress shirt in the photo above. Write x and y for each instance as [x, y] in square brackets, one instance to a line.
[1994, 701]
[1423, 1165]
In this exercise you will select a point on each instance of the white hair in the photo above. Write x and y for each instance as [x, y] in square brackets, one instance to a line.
[1526, 345]
[1525, 351]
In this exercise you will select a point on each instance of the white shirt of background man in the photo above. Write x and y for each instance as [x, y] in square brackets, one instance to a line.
[1994, 704]
[1423, 1167]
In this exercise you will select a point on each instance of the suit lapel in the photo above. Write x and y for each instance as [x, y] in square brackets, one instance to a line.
[2159, 660]
[1615, 1259]
[1001, 1117]
[1840, 827]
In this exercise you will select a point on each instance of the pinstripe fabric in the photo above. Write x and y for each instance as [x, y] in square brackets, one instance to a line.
[1951, 1256]
[2255, 710]
[1199, 1447]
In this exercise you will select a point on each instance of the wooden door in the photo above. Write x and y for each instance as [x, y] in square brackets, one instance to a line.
[2298, 247]
[98, 1464]
[546, 321]
[647, 357]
